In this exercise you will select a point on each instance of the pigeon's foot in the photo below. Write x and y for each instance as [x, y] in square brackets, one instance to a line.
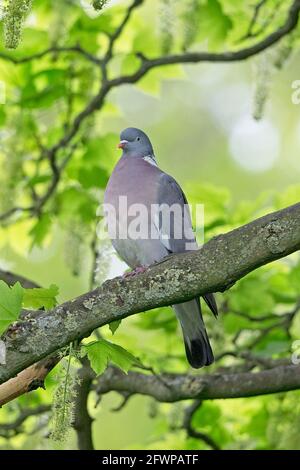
[135, 271]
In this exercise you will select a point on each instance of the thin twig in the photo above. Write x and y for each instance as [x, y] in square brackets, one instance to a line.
[190, 411]
[13, 428]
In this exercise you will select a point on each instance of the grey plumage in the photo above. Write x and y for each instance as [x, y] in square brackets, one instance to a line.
[138, 177]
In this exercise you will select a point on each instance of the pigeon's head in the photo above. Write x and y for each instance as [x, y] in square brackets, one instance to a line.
[135, 142]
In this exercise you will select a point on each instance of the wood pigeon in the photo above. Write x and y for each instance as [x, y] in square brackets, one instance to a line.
[138, 181]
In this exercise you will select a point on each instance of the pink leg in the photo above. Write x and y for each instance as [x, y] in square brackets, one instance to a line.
[135, 271]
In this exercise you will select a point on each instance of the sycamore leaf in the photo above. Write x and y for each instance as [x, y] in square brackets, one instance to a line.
[114, 325]
[213, 24]
[10, 304]
[39, 297]
[102, 352]
[97, 357]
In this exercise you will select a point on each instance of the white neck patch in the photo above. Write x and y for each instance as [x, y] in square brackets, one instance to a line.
[150, 159]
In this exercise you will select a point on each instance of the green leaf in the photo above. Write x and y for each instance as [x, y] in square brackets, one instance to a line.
[2, 115]
[252, 295]
[40, 230]
[97, 357]
[288, 197]
[43, 99]
[114, 325]
[130, 64]
[102, 352]
[76, 204]
[145, 40]
[282, 286]
[39, 179]
[215, 201]
[276, 343]
[94, 177]
[102, 151]
[10, 304]
[158, 319]
[40, 297]
[214, 24]
[294, 278]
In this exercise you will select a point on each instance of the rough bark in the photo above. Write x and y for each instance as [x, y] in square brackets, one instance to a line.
[27, 380]
[83, 421]
[33, 377]
[175, 387]
[215, 267]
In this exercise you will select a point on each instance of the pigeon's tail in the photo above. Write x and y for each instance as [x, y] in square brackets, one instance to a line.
[197, 346]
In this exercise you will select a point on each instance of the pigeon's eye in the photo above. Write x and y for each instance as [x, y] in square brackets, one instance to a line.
[138, 138]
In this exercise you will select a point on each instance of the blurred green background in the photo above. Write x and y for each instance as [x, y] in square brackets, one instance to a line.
[200, 120]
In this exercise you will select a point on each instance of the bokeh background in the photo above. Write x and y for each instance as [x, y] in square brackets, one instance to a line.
[200, 119]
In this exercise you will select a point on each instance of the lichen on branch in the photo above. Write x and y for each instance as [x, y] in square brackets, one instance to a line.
[215, 267]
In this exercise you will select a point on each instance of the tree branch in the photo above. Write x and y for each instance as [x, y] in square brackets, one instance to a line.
[190, 411]
[257, 9]
[146, 65]
[83, 422]
[228, 56]
[119, 30]
[176, 387]
[11, 279]
[95, 104]
[33, 377]
[254, 18]
[51, 50]
[27, 380]
[13, 428]
[214, 267]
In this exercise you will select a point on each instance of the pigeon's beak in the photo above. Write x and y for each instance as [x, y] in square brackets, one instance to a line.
[122, 144]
